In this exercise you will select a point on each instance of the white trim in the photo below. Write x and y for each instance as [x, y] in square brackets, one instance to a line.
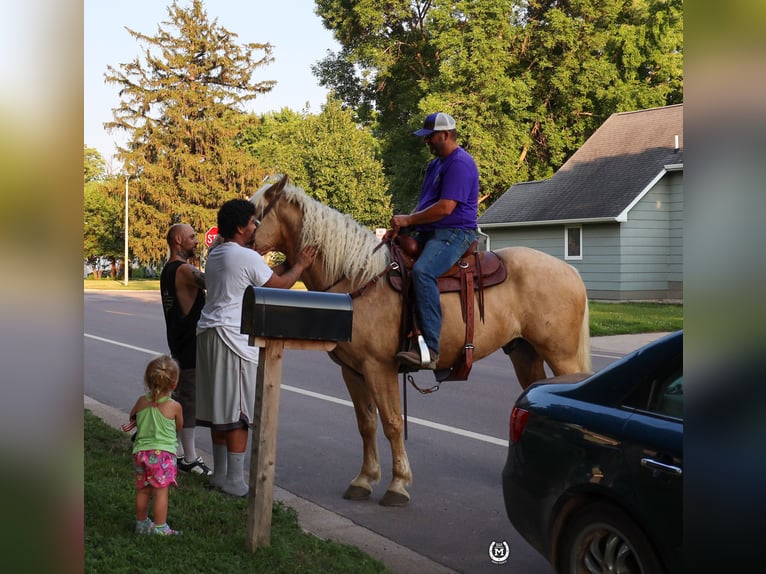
[567, 256]
[641, 195]
[552, 222]
[486, 237]
[674, 167]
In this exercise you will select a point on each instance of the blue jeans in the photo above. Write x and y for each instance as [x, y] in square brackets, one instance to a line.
[441, 249]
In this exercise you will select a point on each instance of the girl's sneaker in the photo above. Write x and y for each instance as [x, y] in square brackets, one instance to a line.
[144, 526]
[164, 530]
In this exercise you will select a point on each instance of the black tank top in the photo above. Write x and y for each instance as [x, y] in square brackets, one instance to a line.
[181, 329]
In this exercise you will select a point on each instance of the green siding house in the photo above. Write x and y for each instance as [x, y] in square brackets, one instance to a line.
[614, 210]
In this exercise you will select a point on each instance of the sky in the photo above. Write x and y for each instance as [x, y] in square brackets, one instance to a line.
[296, 33]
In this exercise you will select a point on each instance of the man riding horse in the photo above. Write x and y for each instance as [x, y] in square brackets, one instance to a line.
[445, 220]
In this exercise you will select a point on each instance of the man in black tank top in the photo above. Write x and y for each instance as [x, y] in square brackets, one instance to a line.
[183, 295]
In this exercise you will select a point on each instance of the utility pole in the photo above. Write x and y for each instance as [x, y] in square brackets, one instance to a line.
[125, 265]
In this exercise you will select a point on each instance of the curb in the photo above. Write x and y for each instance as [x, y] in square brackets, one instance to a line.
[316, 520]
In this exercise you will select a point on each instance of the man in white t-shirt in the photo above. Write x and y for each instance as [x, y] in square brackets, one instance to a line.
[227, 366]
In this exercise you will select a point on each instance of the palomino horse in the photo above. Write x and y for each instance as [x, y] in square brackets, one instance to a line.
[539, 314]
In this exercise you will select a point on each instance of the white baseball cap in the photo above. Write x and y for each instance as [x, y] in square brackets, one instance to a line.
[437, 122]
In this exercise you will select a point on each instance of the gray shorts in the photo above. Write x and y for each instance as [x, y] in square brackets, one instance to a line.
[186, 393]
[225, 384]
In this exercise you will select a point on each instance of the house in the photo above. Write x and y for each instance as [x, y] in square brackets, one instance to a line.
[614, 210]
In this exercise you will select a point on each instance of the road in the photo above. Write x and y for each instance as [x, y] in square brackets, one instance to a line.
[457, 437]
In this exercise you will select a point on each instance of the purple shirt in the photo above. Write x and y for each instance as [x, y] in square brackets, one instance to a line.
[454, 177]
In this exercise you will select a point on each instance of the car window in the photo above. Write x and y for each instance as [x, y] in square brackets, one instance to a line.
[669, 399]
[662, 393]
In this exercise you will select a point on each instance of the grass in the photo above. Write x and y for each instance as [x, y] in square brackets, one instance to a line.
[628, 318]
[213, 525]
[119, 285]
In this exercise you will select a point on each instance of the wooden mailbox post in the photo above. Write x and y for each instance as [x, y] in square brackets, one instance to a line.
[274, 320]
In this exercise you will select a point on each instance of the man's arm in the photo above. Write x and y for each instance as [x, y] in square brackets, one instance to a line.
[290, 276]
[189, 280]
[431, 214]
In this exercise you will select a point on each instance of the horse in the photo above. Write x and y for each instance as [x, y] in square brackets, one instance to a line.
[538, 315]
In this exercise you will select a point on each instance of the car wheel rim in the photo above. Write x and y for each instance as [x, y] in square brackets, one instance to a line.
[604, 550]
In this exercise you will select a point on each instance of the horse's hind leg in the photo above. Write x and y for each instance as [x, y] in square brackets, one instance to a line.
[527, 363]
[367, 421]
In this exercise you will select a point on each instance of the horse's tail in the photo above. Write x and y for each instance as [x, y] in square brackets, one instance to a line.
[583, 347]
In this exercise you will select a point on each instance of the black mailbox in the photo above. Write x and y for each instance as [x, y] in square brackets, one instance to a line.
[295, 314]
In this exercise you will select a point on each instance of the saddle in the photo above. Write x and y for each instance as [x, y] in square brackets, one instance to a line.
[474, 271]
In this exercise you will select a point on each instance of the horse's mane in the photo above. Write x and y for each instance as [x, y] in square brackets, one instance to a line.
[347, 248]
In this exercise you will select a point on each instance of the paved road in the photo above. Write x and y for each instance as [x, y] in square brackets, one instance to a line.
[457, 444]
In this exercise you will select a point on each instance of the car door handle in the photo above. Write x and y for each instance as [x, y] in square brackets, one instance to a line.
[662, 467]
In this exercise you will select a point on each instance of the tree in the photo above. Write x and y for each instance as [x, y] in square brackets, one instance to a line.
[95, 166]
[328, 155]
[182, 108]
[103, 229]
[527, 80]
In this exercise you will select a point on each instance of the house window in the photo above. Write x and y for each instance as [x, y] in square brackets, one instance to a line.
[573, 242]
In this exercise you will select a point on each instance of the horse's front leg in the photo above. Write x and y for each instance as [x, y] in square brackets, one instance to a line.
[367, 421]
[385, 388]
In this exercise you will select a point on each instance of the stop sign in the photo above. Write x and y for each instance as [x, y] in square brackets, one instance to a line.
[210, 236]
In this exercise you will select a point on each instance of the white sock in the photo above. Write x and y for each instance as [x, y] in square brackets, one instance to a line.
[219, 465]
[235, 474]
[187, 440]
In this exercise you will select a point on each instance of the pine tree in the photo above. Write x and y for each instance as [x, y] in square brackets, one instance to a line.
[182, 107]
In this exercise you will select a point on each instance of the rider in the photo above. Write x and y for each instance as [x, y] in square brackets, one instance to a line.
[445, 221]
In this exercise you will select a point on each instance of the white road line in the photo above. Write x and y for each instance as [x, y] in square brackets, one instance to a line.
[110, 341]
[415, 420]
[329, 399]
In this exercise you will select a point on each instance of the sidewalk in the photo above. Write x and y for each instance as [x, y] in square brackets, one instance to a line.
[316, 520]
[623, 344]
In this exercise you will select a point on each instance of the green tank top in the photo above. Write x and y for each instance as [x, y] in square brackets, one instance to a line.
[155, 430]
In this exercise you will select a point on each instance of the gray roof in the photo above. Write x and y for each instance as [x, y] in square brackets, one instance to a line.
[604, 177]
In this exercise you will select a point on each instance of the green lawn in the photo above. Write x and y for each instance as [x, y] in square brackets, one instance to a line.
[213, 525]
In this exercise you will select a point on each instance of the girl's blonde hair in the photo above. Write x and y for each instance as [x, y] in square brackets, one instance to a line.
[160, 376]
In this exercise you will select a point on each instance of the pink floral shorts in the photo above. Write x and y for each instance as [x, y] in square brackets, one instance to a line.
[155, 468]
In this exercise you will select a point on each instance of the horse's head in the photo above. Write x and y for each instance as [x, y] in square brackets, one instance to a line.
[269, 234]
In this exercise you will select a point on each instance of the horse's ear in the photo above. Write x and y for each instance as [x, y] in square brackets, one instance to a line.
[280, 185]
[276, 188]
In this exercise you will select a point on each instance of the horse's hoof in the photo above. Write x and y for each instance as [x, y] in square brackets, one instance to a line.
[392, 498]
[357, 493]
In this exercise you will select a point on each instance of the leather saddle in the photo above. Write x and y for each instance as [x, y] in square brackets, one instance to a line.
[487, 268]
[474, 271]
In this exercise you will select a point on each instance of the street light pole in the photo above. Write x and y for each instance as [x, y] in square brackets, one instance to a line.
[125, 260]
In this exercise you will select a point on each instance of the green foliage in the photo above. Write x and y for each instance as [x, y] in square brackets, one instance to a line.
[328, 155]
[95, 166]
[103, 220]
[528, 81]
[213, 525]
[182, 110]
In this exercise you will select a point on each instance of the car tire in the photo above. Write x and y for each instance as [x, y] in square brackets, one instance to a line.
[602, 538]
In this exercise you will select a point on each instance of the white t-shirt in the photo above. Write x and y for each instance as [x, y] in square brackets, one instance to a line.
[230, 268]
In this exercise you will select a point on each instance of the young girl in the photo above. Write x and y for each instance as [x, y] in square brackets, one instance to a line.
[158, 418]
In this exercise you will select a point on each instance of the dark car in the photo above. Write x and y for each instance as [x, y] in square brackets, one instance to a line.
[593, 478]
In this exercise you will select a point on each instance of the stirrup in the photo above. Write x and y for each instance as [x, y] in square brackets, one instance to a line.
[425, 354]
